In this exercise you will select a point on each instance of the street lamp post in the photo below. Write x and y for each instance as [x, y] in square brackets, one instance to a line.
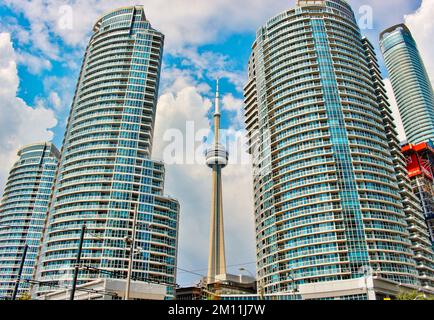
[248, 271]
[131, 242]
[294, 287]
[20, 272]
[259, 283]
[77, 262]
[368, 273]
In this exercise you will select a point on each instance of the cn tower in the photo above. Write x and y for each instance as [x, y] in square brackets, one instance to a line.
[216, 158]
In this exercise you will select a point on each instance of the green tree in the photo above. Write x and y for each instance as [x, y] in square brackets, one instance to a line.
[25, 296]
[413, 295]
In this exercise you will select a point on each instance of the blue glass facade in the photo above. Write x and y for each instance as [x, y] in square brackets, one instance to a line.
[105, 170]
[327, 200]
[23, 213]
[358, 250]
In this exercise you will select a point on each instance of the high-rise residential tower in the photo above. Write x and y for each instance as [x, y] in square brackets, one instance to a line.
[23, 213]
[216, 158]
[106, 174]
[410, 82]
[328, 202]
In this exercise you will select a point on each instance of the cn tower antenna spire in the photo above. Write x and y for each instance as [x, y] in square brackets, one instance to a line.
[216, 158]
[217, 115]
[217, 99]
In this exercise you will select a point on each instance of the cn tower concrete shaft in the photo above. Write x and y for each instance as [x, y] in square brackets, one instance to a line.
[217, 158]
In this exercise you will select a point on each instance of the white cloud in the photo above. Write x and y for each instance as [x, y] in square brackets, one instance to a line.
[421, 25]
[230, 103]
[55, 100]
[184, 23]
[191, 183]
[212, 65]
[60, 92]
[19, 123]
[34, 64]
[12, 26]
[176, 79]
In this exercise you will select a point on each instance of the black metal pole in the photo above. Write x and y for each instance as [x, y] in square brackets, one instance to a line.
[77, 263]
[20, 272]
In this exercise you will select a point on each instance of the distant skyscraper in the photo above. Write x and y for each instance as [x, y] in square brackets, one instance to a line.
[410, 82]
[23, 213]
[328, 202]
[216, 159]
[105, 170]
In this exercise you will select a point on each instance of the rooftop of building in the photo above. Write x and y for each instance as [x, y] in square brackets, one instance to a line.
[393, 29]
[41, 145]
[101, 18]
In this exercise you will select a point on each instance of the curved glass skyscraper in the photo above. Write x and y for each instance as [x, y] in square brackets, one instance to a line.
[327, 202]
[410, 82]
[105, 171]
[23, 213]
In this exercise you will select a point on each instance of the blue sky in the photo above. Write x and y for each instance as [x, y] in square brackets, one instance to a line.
[204, 40]
[232, 44]
[37, 86]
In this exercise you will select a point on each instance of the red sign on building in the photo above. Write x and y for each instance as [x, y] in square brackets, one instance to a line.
[418, 159]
